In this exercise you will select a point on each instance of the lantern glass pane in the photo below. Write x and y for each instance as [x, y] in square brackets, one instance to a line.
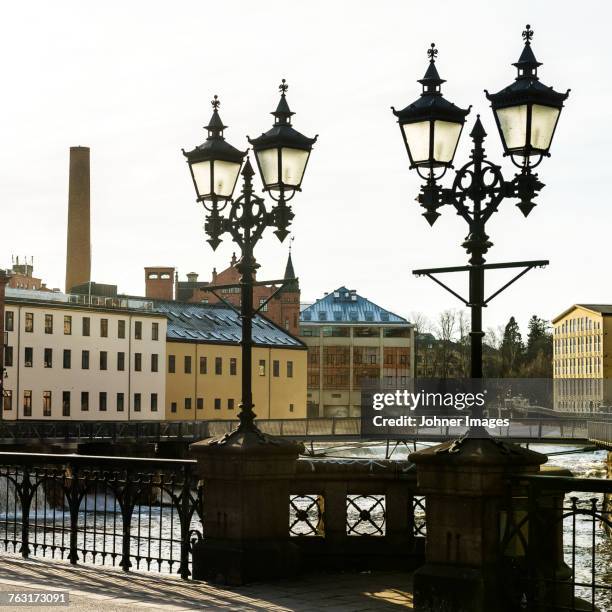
[513, 125]
[224, 177]
[446, 137]
[293, 165]
[417, 137]
[268, 164]
[201, 175]
[543, 121]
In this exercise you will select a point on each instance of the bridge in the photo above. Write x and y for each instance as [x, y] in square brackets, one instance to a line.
[522, 430]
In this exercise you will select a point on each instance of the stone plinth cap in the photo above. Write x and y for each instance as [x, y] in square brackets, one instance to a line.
[477, 451]
[248, 442]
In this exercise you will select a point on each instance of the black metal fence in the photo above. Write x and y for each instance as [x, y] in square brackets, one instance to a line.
[132, 513]
[555, 543]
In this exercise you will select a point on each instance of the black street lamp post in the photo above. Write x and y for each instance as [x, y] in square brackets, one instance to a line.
[526, 113]
[282, 155]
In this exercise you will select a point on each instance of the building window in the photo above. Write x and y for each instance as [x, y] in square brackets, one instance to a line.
[171, 364]
[187, 364]
[203, 365]
[102, 401]
[85, 360]
[28, 356]
[84, 401]
[154, 362]
[187, 403]
[103, 328]
[233, 366]
[67, 359]
[155, 331]
[137, 362]
[276, 368]
[290, 369]
[27, 403]
[120, 402]
[218, 365]
[263, 307]
[138, 330]
[66, 403]
[103, 360]
[8, 356]
[7, 403]
[217, 403]
[121, 328]
[29, 322]
[47, 403]
[137, 402]
[153, 402]
[262, 367]
[290, 407]
[173, 407]
[48, 358]
[67, 325]
[200, 403]
[86, 326]
[403, 359]
[120, 361]
[230, 404]
[9, 320]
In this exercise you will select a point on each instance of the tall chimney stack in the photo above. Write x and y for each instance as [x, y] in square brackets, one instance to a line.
[78, 251]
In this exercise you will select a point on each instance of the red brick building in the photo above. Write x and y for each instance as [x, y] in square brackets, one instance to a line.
[283, 309]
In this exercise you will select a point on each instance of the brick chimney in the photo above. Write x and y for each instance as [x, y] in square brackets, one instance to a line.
[159, 283]
[78, 251]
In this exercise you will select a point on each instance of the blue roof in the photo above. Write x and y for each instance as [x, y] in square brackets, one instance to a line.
[346, 306]
[219, 324]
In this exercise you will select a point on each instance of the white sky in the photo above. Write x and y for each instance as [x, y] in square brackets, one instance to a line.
[133, 81]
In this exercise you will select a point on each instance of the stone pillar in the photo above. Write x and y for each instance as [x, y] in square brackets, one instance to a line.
[465, 486]
[246, 476]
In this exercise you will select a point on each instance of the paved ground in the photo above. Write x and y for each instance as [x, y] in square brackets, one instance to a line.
[96, 589]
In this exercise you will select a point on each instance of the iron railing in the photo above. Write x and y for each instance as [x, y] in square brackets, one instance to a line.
[132, 513]
[600, 433]
[554, 543]
[547, 429]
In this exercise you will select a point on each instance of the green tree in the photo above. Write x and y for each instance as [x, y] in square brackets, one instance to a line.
[538, 354]
[512, 349]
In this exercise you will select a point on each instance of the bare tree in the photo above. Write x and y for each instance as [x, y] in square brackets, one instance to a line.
[446, 330]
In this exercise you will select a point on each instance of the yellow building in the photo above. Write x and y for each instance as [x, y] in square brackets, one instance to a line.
[582, 360]
[203, 365]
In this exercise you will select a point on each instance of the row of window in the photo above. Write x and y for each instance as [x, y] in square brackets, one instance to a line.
[28, 359]
[217, 404]
[343, 331]
[577, 324]
[233, 366]
[9, 325]
[581, 365]
[85, 402]
[580, 344]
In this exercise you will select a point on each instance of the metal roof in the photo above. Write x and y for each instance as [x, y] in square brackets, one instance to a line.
[219, 324]
[604, 309]
[346, 306]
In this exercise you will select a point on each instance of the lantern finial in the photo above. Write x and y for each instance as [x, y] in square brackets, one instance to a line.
[432, 52]
[527, 34]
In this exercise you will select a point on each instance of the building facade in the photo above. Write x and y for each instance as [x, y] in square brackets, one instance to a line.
[283, 309]
[66, 358]
[203, 374]
[352, 342]
[582, 358]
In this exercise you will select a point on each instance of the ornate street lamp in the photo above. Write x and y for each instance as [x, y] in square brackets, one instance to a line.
[526, 113]
[282, 154]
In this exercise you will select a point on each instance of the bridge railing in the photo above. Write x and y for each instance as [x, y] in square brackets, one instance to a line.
[600, 432]
[553, 541]
[153, 431]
